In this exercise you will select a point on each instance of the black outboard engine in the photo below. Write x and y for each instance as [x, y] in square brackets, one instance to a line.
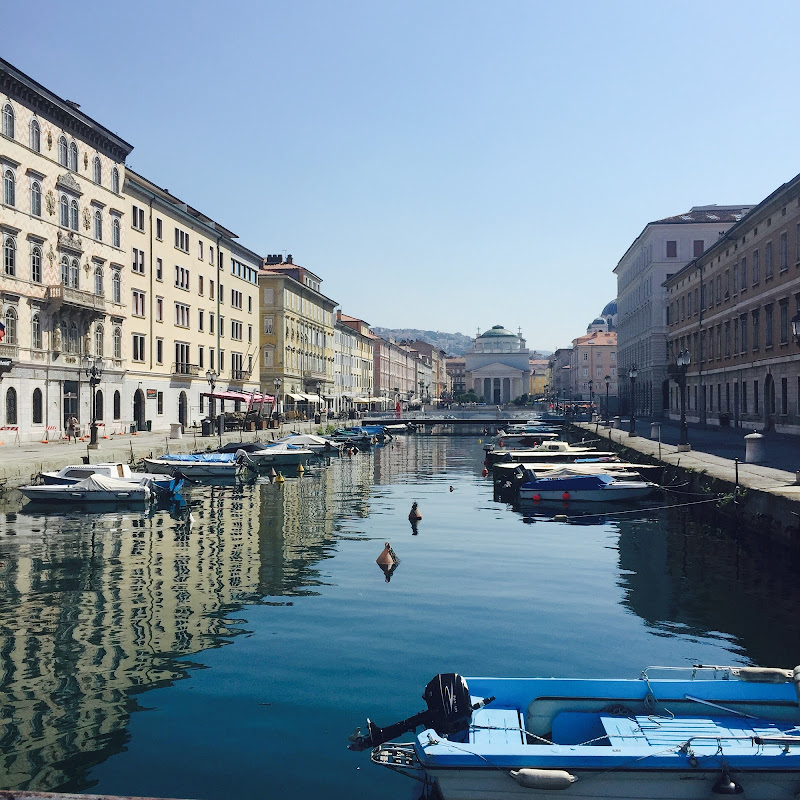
[449, 711]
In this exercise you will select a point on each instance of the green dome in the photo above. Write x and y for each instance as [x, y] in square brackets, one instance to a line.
[498, 330]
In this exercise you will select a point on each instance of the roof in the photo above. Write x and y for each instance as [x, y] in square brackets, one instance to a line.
[597, 338]
[498, 330]
[706, 214]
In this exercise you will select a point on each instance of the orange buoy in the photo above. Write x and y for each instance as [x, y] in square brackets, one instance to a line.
[414, 514]
[501, 443]
[537, 498]
[484, 472]
[388, 557]
[565, 496]
[451, 489]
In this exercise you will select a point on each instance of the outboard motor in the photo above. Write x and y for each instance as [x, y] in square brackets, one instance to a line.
[449, 711]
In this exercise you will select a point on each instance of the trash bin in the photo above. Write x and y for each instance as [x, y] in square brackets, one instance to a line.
[206, 428]
[133, 427]
[317, 419]
[149, 424]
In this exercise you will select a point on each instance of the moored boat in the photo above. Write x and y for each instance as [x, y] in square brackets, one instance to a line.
[711, 731]
[74, 473]
[196, 465]
[94, 488]
[565, 485]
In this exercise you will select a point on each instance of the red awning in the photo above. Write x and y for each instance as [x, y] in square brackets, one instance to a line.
[255, 397]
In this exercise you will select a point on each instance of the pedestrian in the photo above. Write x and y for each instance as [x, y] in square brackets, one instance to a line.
[73, 428]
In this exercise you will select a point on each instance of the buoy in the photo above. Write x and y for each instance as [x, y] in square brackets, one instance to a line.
[543, 778]
[501, 443]
[451, 488]
[388, 557]
[537, 497]
[479, 441]
[726, 785]
[414, 514]
[484, 472]
[280, 478]
[300, 469]
[560, 517]
[44, 441]
[565, 496]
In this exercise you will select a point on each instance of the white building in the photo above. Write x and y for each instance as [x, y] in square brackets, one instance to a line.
[497, 367]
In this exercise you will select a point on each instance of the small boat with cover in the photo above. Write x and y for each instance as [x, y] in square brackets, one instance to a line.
[73, 473]
[566, 484]
[674, 733]
[94, 488]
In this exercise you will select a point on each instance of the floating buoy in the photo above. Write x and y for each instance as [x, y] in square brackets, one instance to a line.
[300, 469]
[726, 785]
[501, 443]
[388, 557]
[560, 517]
[479, 441]
[44, 441]
[272, 474]
[451, 489]
[280, 478]
[414, 514]
[537, 497]
[484, 472]
[565, 496]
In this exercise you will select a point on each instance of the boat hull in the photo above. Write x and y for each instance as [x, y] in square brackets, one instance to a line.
[191, 469]
[607, 495]
[68, 494]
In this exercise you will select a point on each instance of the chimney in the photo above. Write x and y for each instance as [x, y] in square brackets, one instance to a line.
[289, 259]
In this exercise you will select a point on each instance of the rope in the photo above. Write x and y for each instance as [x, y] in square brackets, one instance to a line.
[649, 508]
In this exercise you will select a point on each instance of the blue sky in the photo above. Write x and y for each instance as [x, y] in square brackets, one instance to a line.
[441, 165]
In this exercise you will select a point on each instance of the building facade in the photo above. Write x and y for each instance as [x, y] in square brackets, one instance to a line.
[395, 372]
[732, 310]
[661, 249]
[353, 364]
[456, 366]
[497, 366]
[64, 253]
[593, 357]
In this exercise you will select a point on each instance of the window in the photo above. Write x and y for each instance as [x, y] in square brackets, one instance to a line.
[181, 240]
[35, 136]
[697, 247]
[137, 262]
[98, 404]
[116, 232]
[10, 256]
[73, 156]
[221, 322]
[98, 225]
[181, 278]
[200, 250]
[249, 304]
[116, 286]
[159, 351]
[8, 121]
[11, 406]
[159, 270]
[250, 334]
[755, 397]
[743, 327]
[236, 330]
[115, 180]
[36, 264]
[756, 329]
[36, 198]
[10, 319]
[200, 320]
[138, 303]
[160, 403]
[159, 309]
[784, 255]
[268, 325]
[63, 205]
[211, 325]
[744, 272]
[784, 396]
[37, 407]
[9, 188]
[744, 397]
[200, 284]
[182, 358]
[97, 170]
[200, 356]
[211, 290]
[784, 321]
[117, 342]
[735, 278]
[98, 281]
[236, 299]
[62, 151]
[73, 215]
[672, 249]
[768, 260]
[137, 220]
[117, 405]
[138, 343]
[756, 267]
[221, 293]
[99, 341]
[159, 228]
[182, 315]
[768, 325]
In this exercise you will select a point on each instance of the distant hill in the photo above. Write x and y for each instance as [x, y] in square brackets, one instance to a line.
[454, 344]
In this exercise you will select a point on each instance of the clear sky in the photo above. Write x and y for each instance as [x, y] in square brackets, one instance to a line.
[440, 164]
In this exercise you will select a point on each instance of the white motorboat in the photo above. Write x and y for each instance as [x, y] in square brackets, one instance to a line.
[317, 444]
[94, 488]
[196, 465]
[74, 473]
[280, 454]
[566, 485]
[548, 451]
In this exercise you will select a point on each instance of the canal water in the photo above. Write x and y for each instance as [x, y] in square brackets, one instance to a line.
[228, 654]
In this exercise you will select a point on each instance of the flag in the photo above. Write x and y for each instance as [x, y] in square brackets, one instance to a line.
[2, 331]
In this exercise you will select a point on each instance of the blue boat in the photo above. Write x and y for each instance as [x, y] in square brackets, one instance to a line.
[566, 485]
[672, 734]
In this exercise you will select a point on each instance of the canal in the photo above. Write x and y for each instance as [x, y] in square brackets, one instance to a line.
[227, 649]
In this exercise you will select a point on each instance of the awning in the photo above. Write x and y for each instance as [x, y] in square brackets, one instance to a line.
[241, 396]
[298, 398]
[312, 398]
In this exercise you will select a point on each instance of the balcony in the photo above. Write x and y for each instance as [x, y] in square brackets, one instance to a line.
[60, 295]
[9, 351]
[182, 370]
[240, 375]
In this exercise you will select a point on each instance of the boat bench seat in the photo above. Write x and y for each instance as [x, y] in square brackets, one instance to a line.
[496, 726]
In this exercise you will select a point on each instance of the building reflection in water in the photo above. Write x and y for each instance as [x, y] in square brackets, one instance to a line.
[689, 577]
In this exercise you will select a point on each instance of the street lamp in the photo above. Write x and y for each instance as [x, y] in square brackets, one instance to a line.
[93, 367]
[211, 377]
[607, 379]
[591, 396]
[277, 384]
[632, 374]
[683, 360]
[319, 397]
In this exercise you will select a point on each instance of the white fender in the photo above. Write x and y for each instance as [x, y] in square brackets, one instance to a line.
[543, 778]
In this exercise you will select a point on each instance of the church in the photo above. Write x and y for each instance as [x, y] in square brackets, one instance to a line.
[497, 367]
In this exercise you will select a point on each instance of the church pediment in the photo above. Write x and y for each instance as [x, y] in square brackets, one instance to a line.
[496, 369]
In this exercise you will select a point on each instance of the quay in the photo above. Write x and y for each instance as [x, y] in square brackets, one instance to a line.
[768, 495]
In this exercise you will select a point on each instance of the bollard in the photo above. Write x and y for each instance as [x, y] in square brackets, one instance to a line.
[616, 423]
[655, 430]
[754, 448]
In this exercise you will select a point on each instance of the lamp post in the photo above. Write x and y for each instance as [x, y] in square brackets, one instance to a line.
[277, 384]
[211, 377]
[632, 373]
[591, 397]
[683, 360]
[93, 368]
[607, 379]
[319, 398]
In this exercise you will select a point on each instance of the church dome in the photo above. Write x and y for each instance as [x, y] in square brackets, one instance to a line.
[610, 310]
[497, 330]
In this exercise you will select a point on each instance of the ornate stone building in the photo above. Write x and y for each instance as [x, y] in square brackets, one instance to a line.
[497, 366]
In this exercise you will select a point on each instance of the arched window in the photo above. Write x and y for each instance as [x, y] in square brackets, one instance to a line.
[36, 198]
[11, 406]
[99, 341]
[98, 404]
[73, 339]
[73, 156]
[10, 256]
[97, 170]
[115, 180]
[8, 121]
[73, 215]
[36, 264]
[115, 232]
[9, 188]
[38, 417]
[98, 225]
[62, 151]
[35, 136]
[63, 205]
[11, 326]
[116, 286]
[117, 342]
[65, 270]
[98, 281]
[117, 405]
[36, 332]
[74, 273]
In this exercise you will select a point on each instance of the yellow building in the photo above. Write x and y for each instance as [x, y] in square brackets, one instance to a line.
[192, 290]
[62, 231]
[297, 335]
[540, 371]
